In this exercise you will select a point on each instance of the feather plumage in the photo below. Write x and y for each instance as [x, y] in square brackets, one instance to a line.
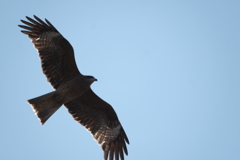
[73, 90]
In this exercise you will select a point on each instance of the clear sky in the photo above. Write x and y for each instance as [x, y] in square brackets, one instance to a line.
[170, 69]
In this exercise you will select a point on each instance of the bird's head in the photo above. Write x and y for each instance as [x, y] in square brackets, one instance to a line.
[90, 79]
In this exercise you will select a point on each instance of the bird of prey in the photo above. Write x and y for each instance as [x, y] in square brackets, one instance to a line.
[72, 89]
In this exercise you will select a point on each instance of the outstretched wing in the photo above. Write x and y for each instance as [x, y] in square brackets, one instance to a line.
[101, 120]
[56, 53]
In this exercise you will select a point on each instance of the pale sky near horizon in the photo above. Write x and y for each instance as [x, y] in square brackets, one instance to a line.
[170, 69]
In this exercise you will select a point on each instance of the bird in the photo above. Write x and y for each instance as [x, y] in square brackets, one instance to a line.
[72, 89]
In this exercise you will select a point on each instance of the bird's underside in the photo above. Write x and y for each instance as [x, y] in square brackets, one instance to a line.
[72, 89]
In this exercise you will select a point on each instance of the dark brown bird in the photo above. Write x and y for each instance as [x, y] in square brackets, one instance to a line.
[73, 90]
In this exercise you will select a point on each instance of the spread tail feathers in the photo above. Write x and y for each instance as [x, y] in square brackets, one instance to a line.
[44, 106]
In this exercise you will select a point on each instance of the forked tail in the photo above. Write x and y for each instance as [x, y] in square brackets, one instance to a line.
[44, 106]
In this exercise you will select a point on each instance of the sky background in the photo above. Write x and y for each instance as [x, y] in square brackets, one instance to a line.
[169, 68]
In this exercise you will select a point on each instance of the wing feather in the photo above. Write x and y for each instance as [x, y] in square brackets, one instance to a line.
[56, 53]
[101, 120]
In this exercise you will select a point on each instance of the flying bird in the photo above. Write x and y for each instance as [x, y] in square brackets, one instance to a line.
[72, 89]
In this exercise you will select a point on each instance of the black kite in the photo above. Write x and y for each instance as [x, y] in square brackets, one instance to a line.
[73, 90]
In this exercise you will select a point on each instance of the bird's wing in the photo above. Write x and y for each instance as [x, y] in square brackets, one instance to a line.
[56, 53]
[101, 120]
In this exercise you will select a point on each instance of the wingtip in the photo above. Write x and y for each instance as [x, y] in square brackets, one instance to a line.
[36, 17]
[30, 19]
[22, 21]
[105, 155]
[126, 139]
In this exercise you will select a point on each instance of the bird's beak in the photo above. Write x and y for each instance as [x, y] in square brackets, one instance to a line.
[95, 79]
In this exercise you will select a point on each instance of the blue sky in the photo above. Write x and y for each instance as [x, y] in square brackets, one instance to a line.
[170, 69]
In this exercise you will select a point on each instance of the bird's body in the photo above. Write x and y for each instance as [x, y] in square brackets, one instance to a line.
[66, 92]
[73, 90]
